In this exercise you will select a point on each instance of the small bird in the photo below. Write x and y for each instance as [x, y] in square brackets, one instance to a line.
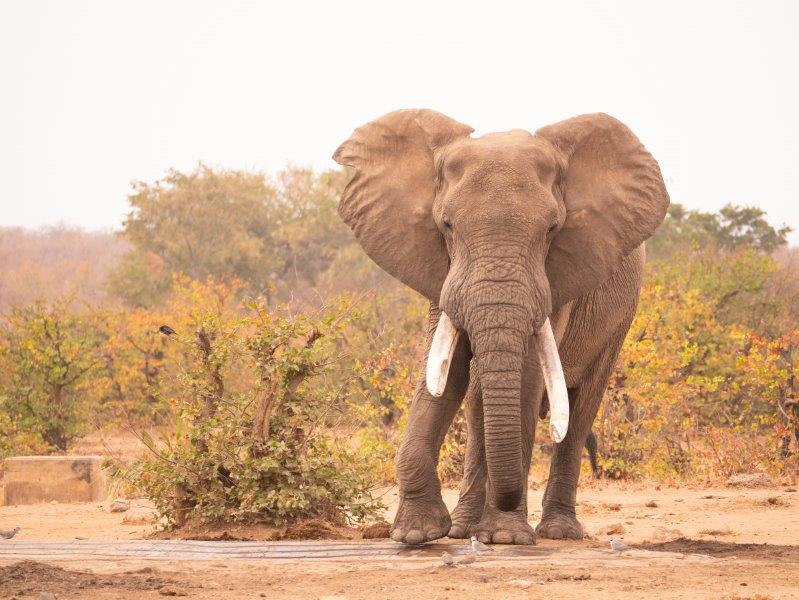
[167, 330]
[447, 559]
[618, 546]
[479, 547]
[8, 533]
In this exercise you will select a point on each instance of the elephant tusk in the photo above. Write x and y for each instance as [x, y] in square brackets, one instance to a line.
[555, 382]
[439, 359]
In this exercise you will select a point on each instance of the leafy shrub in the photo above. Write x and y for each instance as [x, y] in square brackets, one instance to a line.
[252, 440]
[48, 357]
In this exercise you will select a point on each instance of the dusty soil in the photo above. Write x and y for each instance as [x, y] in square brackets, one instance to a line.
[687, 543]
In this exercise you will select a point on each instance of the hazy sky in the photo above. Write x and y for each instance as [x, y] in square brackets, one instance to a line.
[97, 94]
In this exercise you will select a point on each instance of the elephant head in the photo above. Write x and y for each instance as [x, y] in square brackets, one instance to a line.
[499, 231]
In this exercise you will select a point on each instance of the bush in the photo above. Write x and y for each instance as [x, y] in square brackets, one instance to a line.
[49, 355]
[252, 440]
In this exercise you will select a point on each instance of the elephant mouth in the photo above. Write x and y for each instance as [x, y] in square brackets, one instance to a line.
[442, 349]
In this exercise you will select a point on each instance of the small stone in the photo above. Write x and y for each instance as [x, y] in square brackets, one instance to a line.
[172, 590]
[651, 504]
[521, 583]
[46, 596]
[119, 505]
[614, 529]
[750, 480]
[447, 559]
[138, 517]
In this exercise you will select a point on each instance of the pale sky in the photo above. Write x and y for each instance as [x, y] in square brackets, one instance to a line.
[96, 94]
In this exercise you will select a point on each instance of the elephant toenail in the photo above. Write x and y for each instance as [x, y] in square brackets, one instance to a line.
[456, 531]
[503, 537]
[414, 536]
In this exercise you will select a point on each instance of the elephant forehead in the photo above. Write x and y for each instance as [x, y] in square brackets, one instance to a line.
[515, 151]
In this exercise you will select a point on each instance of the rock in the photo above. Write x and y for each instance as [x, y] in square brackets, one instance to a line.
[119, 505]
[46, 596]
[523, 584]
[172, 590]
[750, 480]
[447, 559]
[54, 479]
[138, 517]
[663, 534]
[651, 504]
[375, 531]
[614, 529]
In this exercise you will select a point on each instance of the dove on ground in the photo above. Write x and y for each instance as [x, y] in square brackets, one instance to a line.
[479, 547]
[617, 545]
[8, 533]
[447, 559]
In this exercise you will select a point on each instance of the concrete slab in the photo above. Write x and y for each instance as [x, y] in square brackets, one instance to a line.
[37, 479]
[367, 550]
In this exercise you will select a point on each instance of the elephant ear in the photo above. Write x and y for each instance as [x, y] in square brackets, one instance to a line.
[388, 203]
[615, 199]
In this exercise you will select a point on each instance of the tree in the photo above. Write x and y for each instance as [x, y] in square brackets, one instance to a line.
[201, 224]
[270, 234]
[48, 354]
[732, 228]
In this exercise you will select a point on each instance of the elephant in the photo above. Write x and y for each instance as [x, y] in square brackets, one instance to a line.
[530, 250]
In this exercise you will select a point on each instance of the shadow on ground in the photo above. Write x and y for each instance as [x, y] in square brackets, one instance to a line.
[723, 549]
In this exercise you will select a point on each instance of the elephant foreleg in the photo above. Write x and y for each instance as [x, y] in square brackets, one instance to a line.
[558, 518]
[473, 487]
[422, 515]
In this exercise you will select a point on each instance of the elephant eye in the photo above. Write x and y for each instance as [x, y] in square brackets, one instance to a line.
[447, 222]
[552, 228]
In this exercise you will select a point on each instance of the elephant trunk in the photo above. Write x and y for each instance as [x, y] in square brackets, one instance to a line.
[500, 311]
[498, 353]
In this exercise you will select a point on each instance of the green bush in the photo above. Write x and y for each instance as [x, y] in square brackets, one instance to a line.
[253, 440]
[49, 355]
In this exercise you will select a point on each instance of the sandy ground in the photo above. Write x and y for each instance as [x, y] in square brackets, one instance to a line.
[688, 543]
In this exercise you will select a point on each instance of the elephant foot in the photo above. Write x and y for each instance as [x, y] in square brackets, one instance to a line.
[558, 526]
[420, 520]
[465, 516]
[498, 527]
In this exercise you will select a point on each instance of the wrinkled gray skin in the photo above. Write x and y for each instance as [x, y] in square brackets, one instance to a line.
[501, 232]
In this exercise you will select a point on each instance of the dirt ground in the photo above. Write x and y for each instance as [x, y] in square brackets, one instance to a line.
[687, 543]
